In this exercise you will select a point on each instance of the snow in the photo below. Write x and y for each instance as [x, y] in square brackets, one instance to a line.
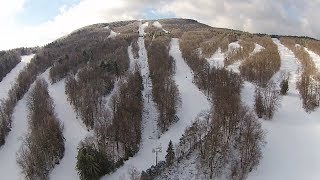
[247, 94]
[234, 45]
[74, 131]
[292, 149]
[289, 63]
[9, 168]
[187, 169]
[112, 33]
[142, 27]
[158, 25]
[235, 67]
[315, 57]
[9, 79]
[257, 48]
[217, 59]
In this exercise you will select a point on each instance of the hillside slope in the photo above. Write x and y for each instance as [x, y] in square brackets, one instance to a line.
[202, 84]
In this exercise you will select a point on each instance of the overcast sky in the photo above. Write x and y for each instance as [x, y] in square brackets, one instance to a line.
[36, 22]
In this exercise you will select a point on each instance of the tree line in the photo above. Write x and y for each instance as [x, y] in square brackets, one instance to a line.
[9, 59]
[165, 92]
[117, 133]
[229, 139]
[261, 66]
[67, 54]
[43, 146]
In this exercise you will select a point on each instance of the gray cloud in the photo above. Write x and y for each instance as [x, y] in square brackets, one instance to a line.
[292, 17]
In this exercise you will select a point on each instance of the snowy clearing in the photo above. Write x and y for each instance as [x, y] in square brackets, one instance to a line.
[234, 45]
[217, 59]
[292, 149]
[257, 48]
[158, 25]
[315, 57]
[113, 34]
[10, 78]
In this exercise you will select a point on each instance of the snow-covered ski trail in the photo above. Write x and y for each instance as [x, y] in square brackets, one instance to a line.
[9, 79]
[287, 67]
[74, 131]
[144, 158]
[292, 149]
[9, 168]
[190, 108]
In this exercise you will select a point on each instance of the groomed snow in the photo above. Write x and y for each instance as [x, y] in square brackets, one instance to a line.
[217, 59]
[315, 57]
[9, 79]
[293, 146]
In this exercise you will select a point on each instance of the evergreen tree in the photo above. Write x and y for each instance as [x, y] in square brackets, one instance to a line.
[92, 164]
[284, 87]
[170, 154]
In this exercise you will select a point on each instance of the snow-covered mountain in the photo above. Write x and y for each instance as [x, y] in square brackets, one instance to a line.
[234, 105]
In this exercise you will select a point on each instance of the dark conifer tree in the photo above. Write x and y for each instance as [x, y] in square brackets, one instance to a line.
[170, 154]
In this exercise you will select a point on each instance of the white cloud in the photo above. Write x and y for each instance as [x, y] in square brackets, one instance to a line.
[84, 13]
[292, 17]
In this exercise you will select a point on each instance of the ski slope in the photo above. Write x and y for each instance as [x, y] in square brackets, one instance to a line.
[293, 146]
[74, 131]
[9, 79]
[9, 168]
[190, 108]
[150, 115]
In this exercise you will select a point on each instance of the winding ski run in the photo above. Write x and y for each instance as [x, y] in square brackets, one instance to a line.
[292, 149]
